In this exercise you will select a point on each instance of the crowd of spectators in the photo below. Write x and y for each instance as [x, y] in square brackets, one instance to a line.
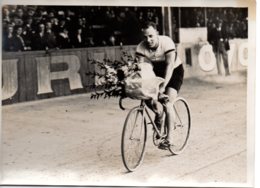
[60, 27]
[234, 19]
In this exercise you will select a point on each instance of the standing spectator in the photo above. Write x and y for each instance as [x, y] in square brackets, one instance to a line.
[8, 38]
[112, 40]
[20, 13]
[28, 31]
[212, 36]
[17, 20]
[18, 41]
[6, 15]
[78, 39]
[243, 27]
[85, 29]
[63, 39]
[131, 29]
[39, 40]
[62, 25]
[50, 36]
[30, 11]
[231, 31]
[55, 25]
[221, 47]
[141, 17]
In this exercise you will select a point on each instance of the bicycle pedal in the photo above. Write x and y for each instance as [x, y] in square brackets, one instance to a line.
[162, 147]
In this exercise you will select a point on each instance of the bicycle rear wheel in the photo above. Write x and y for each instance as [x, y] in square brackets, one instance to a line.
[134, 139]
[181, 130]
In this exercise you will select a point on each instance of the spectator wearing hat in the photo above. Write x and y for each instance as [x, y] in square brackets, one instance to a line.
[221, 46]
[30, 11]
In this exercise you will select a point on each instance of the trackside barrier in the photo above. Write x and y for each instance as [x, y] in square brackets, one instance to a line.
[37, 75]
[203, 60]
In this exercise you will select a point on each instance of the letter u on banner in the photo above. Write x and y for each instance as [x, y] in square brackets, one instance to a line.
[9, 78]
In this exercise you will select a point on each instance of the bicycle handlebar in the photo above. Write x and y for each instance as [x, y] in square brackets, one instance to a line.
[162, 98]
[120, 103]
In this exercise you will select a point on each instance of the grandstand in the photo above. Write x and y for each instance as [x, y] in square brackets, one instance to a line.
[92, 26]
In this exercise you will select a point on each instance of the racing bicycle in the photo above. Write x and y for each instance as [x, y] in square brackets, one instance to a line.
[134, 135]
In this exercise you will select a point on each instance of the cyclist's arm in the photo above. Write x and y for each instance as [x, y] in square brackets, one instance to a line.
[170, 61]
[139, 58]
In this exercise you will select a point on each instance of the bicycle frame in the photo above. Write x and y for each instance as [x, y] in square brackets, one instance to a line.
[145, 109]
[134, 133]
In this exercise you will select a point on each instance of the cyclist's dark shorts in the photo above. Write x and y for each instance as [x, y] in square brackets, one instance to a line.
[177, 76]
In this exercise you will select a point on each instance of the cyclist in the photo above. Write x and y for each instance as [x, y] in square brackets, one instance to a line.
[161, 52]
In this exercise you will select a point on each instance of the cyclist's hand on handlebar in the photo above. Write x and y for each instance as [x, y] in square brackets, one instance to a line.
[163, 98]
[161, 89]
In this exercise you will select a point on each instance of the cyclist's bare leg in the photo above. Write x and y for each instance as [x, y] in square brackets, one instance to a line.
[170, 115]
[155, 106]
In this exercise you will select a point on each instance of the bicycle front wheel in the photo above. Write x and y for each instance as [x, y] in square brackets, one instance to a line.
[134, 139]
[182, 125]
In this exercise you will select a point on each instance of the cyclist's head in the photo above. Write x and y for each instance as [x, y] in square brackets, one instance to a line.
[148, 24]
[150, 33]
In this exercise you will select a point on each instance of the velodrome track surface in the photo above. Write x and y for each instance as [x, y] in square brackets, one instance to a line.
[76, 141]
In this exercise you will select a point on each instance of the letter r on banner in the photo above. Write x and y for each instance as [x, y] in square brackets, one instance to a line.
[45, 75]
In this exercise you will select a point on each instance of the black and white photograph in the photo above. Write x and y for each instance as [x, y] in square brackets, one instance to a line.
[128, 93]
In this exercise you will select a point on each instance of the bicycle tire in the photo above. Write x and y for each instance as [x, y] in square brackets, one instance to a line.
[134, 137]
[182, 126]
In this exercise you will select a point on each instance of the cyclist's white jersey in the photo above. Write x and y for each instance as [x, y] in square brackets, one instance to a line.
[157, 55]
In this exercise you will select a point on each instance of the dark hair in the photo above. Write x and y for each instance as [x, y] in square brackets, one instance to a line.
[148, 24]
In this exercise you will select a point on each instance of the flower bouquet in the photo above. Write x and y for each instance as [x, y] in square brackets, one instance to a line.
[110, 76]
